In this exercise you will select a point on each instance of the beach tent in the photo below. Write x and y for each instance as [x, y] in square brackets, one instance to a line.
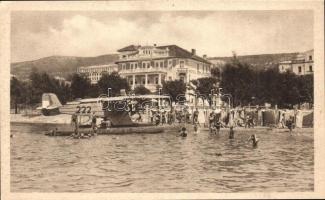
[268, 117]
[308, 120]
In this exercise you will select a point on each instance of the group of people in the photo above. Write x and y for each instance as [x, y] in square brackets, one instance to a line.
[252, 138]
[172, 116]
[87, 134]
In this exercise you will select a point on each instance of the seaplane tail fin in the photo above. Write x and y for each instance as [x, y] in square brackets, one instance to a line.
[50, 104]
[50, 100]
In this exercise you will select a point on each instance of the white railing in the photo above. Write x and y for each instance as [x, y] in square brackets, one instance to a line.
[158, 69]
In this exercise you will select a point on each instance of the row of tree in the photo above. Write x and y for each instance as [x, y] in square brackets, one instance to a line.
[249, 86]
[245, 85]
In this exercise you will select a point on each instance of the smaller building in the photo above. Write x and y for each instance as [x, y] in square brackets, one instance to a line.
[303, 64]
[95, 72]
[62, 80]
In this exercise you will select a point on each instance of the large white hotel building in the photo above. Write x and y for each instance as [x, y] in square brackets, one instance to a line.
[151, 65]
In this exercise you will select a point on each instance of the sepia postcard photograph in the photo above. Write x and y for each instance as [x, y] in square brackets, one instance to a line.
[162, 99]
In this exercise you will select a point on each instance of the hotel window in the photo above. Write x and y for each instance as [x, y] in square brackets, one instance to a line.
[310, 68]
[123, 66]
[310, 57]
[169, 62]
[143, 65]
[131, 65]
[299, 69]
[156, 80]
[181, 63]
[157, 64]
[161, 64]
[135, 65]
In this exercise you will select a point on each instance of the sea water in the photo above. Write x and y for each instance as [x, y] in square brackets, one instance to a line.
[162, 162]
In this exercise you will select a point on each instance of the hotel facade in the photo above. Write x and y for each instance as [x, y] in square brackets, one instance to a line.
[95, 72]
[303, 64]
[149, 66]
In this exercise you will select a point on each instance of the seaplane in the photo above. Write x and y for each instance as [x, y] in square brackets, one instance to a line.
[122, 112]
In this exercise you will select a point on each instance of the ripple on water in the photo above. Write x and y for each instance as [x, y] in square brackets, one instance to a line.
[161, 163]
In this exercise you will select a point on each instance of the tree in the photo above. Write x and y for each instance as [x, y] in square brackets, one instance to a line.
[141, 90]
[305, 85]
[215, 72]
[268, 87]
[113, 81]
[174, 89]
[80, 86]
[15, 93]
[239, 81]
[205, 86]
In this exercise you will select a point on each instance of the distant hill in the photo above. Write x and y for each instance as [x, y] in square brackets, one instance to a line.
[65, 65]
[258, 62]
[59, 65]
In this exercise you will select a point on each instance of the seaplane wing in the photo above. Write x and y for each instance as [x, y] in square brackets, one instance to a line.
[91, 105]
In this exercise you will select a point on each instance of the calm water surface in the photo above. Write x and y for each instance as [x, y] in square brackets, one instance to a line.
[160, 163]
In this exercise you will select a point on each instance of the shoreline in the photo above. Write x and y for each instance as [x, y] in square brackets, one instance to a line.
[64, 120]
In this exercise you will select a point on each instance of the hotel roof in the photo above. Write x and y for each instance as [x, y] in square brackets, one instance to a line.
[174, 51]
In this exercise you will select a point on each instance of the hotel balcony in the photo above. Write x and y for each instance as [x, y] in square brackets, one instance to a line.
[143, 70]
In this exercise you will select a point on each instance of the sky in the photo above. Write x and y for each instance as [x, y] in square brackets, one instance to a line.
[37, 34]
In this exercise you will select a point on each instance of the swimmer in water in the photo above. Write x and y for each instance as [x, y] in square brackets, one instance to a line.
[196, 126]
[231, 133]
[183, 132]
[254, 139]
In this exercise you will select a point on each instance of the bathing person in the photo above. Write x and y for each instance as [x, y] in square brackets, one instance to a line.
[93, 121]
[290, 124]
[53, 132]
[254, 140]
[283, 120]
[247, 121]
[157, 118]
[231, 133]
[217, 126]
[251, 122]
[195, 115]
[211, 118]
[183, 132]
[196, 126]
